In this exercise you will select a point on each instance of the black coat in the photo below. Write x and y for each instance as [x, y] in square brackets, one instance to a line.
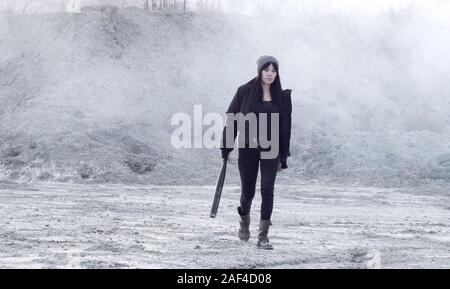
[244, 102]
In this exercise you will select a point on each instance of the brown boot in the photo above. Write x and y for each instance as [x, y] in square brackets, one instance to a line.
[263, 241]
[244, 229]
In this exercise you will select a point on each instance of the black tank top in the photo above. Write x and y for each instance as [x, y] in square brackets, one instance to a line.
[267, 107]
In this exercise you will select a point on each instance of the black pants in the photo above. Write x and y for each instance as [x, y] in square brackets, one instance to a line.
[248, 161]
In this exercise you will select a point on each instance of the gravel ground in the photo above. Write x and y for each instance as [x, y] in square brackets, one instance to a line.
[52, 225]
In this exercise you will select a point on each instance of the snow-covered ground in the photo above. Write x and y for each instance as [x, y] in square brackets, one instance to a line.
[314, 226]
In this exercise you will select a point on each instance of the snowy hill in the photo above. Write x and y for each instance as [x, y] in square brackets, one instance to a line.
[89, 97]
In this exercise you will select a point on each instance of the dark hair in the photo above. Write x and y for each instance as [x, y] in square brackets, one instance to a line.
[275, 87]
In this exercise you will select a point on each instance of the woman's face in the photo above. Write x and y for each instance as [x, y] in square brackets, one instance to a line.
[269, 74]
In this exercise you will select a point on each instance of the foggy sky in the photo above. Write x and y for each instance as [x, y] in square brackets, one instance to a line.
[438, 8]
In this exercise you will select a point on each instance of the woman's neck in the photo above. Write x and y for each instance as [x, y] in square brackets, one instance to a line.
[266, 92]
[265, 87]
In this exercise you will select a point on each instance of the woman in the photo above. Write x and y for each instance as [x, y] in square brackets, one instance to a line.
[263, 94]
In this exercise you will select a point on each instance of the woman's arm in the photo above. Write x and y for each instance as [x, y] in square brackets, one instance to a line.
[285, 134]
[234, 108]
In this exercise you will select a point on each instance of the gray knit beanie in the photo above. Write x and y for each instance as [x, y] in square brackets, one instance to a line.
[263, 59]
